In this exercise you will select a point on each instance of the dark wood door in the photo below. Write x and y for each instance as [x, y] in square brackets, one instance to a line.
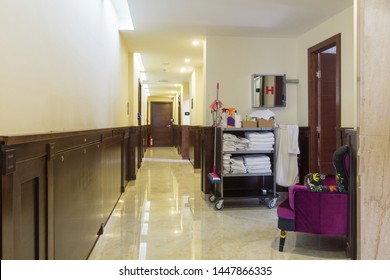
[326, 126]
[161, 116]
[324, 102]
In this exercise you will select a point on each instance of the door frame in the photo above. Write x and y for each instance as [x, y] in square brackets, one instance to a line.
[313, 93]
[170, 125]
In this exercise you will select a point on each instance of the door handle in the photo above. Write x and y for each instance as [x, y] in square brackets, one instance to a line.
[169, 126]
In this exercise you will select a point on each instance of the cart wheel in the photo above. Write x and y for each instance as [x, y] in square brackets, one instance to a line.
[219, 205]
[272, 203]
[212, 198]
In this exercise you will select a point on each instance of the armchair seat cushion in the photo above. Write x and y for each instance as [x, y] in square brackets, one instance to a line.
[314, 212]
[321, 213]
[286, 220]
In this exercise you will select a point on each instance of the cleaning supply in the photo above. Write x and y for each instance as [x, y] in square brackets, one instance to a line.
[238, 121]
[224, 117]
[230, 118]
[216, 106]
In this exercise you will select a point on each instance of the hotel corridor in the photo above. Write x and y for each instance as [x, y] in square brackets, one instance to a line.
[162, 216]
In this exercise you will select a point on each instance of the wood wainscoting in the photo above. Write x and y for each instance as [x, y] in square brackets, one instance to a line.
[342, 138]
[59, 189]
[188, 143]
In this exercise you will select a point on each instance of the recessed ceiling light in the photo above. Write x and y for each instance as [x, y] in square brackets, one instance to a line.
[195, 43]
[187, 60]
[182, 70]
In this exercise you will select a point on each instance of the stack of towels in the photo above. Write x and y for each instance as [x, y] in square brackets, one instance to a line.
[260, 140]
[257, 163]
[229, 142]
[237, 165]
[232, 142]
[226, 163]
[246, 164]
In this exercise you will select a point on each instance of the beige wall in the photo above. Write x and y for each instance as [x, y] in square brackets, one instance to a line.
[196, 92]
[63, 66]
[342, 23]
[132, 90]
[374, 135]
[134, 79]
[232, 60]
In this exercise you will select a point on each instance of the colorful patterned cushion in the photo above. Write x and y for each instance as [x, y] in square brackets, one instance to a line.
[315, 182]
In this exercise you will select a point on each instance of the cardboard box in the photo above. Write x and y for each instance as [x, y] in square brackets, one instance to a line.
[263, 123]
[246, 124]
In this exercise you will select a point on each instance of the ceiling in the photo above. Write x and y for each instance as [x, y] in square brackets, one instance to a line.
[164, 30]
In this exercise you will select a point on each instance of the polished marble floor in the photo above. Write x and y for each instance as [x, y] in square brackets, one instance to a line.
[163, 216]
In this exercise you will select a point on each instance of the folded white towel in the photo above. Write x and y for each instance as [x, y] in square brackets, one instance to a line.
[229, 136]
[258, 163]
[260, 145]
[256, 157]
[235, 169]
[259, 170]
[237, 159]
[264, 114]
[260, 159]
[261, 135]
[242, 140]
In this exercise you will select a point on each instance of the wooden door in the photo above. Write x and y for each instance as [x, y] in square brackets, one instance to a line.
[326, 125]
[161, 123]
[324, 103]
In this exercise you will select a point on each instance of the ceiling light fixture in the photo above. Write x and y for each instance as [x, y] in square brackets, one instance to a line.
[195, 43]
[187, 60]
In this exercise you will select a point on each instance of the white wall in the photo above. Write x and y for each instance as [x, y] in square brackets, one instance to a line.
[232, 60]
[186, 108]
[186, 101]
[196, 97]
[63, 66]
[342, 23]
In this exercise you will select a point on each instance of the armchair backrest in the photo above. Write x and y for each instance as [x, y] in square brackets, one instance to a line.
[341, 166]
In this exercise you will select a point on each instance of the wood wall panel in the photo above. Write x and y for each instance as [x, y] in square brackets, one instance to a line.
[207, 151]
[184, 141]
[59, 189]
[194, 148]
[24, 211]
[304, 156]
[132, 153]
[77, 202]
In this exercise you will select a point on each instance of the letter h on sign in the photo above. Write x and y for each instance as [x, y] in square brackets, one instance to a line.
[269, 89]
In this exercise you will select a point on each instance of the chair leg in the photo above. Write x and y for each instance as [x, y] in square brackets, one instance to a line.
[282, 240]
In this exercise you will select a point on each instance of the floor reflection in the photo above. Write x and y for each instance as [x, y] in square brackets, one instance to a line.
[162, 215]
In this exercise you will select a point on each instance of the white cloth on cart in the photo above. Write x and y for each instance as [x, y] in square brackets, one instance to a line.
[286, 162]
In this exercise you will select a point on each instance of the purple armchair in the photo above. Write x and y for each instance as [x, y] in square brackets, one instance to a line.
[323, 211]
